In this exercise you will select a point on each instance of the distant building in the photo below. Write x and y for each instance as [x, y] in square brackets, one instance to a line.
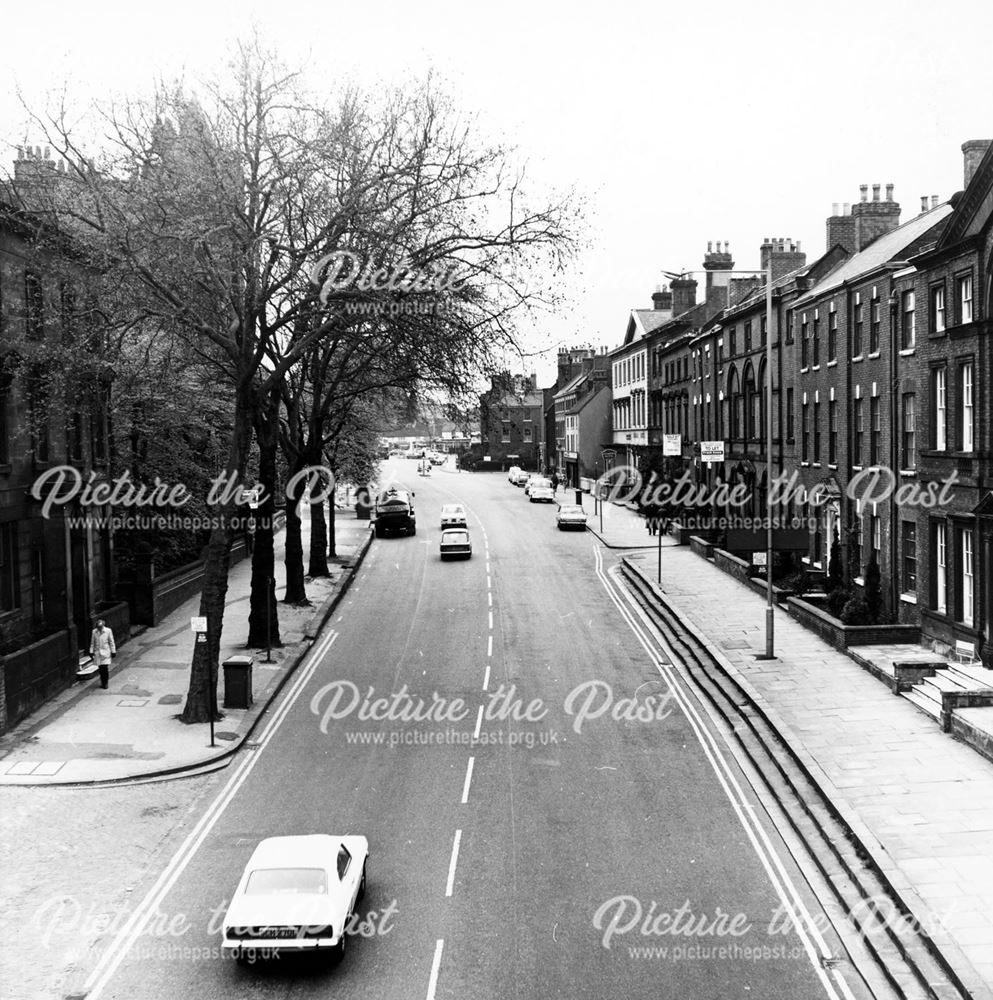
[511, 421]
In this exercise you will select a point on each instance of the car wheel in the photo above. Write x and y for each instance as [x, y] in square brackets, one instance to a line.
[338, 951]
[361, 891]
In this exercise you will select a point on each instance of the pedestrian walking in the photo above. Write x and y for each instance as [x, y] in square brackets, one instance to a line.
[555, 482]
[103, 649]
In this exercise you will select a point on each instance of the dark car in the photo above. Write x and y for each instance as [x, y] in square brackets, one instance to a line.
[395, 513]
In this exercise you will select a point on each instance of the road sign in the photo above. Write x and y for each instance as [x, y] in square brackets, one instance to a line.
[758, 558]
[198, 624]
[608, 455]
[672, 444]
[712, 451]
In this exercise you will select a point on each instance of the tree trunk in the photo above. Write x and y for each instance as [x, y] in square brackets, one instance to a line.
[201, 697]
[296, 591]
[263, 616]
[332, 546]
[319, 534]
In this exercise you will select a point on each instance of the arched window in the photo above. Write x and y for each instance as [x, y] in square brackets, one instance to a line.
[749, 402]
[763, 402]
[732, 397]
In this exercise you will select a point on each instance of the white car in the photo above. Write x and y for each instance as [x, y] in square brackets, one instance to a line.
[296, 894]
[453, 516]
[540, 490]
[571, 515]
[512, 474]
[455, 542]
[520, 477]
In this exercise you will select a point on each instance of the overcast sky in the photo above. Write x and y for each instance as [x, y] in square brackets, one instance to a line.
[720, 121]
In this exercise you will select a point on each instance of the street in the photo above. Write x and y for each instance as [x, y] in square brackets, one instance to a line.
[552, 826]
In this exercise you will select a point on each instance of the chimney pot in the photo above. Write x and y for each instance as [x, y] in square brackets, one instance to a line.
[797, 246]
[847, 209]
[864, 191]
[710, 246]
[923, 202]
[889, 192]
[934, 201]
[875, 192]
[725, 246]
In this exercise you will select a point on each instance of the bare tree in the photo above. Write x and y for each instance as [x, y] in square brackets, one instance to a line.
[213, 212]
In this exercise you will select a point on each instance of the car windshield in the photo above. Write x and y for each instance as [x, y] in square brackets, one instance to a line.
[458, 537]
[452, 509]
[287, 882]
[570, 509]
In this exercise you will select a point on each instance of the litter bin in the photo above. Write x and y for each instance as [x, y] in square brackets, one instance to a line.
[238, 682]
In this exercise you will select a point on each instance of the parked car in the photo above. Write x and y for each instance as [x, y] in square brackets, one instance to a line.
[455, 542]
[512, 474]
[296, 894]
[395, 512]
[540, 490]
[453, 516]
[571, 515]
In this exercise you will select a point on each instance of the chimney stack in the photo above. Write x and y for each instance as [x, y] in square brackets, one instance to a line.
[683, 295]
[662, 299]
[715, 262]
[973, 152]
[841, 228]
[784, 254]
[874, 218]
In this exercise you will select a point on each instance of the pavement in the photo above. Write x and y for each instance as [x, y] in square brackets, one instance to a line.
[131, 730]
[918, 798]
[616, 524]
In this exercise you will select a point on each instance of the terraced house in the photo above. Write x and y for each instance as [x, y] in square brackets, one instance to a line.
[882, 373]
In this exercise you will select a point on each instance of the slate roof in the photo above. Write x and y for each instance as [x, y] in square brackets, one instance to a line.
[892, 246]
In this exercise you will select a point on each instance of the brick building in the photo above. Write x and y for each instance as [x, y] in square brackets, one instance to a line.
[512, 421]
[882, 357]
[55, 578]
[583, 405]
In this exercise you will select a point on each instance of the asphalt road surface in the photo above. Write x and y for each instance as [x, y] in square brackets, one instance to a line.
[555, 825]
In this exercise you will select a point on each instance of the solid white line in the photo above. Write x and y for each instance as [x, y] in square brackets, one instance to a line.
[468, 780]
[451, 864]
[479, 723]
[435, 967]
[726, 779]
[139, 919]
[489, 646]
[486, 678]
[690, 707]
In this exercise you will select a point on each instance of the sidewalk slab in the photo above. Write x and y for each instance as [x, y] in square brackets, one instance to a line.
[131, 730]
[921, 798]
[619, 526]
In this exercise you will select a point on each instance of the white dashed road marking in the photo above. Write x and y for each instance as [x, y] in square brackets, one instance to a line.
[451, 865]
